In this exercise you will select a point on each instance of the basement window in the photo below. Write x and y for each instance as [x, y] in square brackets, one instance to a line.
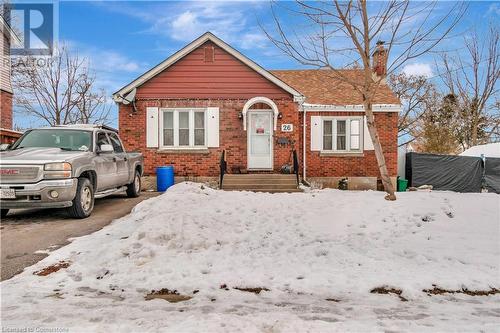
[342, 134]
[183, 128]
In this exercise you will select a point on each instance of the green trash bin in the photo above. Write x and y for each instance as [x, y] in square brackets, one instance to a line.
[402, 184]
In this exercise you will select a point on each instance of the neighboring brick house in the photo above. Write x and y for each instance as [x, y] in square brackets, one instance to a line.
[7, 135]
[208, 97]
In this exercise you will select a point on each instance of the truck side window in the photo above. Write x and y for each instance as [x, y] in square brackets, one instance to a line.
[117, 145]
[102, 139]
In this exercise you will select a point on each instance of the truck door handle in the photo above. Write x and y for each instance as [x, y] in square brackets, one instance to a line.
[125, 159]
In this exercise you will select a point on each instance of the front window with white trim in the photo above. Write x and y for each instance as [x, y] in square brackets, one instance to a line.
[342, 134]
[183, 128]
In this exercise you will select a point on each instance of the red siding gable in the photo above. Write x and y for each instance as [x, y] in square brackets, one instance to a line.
[225, 77]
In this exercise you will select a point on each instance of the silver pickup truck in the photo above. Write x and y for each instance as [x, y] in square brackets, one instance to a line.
[67, 166]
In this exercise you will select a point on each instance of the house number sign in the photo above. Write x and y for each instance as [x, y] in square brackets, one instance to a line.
[287, 127]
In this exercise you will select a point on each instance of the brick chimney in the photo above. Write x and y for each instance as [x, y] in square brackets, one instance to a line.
[379, 60]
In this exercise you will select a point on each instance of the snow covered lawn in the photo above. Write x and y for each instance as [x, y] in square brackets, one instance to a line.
[319, 253]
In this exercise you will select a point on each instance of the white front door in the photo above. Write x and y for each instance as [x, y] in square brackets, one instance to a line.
[260, 141]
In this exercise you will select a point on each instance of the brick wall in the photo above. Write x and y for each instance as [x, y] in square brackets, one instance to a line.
[5, 109]
[355, 166]
[232, 137]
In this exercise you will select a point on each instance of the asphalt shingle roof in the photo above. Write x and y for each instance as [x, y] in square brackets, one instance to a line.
[322, 86]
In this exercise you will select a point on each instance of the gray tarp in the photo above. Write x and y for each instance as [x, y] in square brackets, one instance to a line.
[492, 174]
[445, 172]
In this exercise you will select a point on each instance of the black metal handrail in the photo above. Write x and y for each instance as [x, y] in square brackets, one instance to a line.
[296, 165]
[223, 167]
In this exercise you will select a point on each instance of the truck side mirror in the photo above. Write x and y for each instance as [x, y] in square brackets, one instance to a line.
[106, 149]
[4, 146]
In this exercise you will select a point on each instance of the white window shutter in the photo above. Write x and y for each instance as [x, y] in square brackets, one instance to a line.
[316, 133]
[212, 127]
[367, 139]
[152, 127]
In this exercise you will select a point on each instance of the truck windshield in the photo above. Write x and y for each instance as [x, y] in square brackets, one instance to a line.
[56, 138]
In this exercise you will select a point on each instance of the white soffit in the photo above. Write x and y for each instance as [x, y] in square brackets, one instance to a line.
[351, 108]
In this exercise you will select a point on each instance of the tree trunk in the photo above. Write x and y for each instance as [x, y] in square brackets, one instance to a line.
[384, 173]
[475, 124]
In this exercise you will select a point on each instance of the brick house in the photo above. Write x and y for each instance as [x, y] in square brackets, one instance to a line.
[208, 98]
[7, 135]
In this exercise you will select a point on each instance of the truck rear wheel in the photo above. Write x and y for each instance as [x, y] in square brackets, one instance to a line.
[4, 212]
[83, 203]
[134, 188]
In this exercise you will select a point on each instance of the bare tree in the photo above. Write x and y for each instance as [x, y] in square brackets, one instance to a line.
[93, 106]
[349, 32]
[418, 96]
[495, 130]
[58, 90]
[473, 77]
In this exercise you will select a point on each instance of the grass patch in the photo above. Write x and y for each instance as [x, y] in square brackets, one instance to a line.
[332, 300]
[171, 296]
[256, 291]
[439, 291]
[389, 290]
[52, 268]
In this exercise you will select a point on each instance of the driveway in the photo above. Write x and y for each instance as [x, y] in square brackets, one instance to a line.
[26, 231]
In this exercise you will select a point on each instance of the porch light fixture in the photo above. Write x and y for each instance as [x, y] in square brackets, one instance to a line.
[280, 115]
[240, 115]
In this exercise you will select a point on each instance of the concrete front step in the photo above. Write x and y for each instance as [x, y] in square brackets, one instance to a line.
[260, 182]
[259, 186]
[259, 176]
[268, 190]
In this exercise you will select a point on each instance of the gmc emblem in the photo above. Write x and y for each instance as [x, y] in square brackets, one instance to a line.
[9, 171]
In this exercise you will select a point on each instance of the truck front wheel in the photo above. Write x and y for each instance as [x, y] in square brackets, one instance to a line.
[134, 188]
[83, 203]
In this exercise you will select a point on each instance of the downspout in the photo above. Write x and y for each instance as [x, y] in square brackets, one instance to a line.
[304, 145]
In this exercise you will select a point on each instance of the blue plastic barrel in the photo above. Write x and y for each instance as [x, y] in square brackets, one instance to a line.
[164, 177]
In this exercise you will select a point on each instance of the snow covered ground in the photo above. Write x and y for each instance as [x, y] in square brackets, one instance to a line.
[488, 150]
[319, 253]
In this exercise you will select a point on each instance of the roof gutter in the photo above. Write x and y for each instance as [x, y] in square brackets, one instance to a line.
[352, 108]
[8, 30]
